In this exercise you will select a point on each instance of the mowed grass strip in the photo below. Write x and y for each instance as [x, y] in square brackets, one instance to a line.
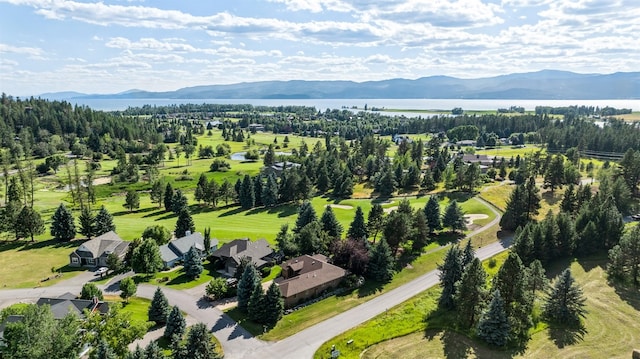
[612, 328]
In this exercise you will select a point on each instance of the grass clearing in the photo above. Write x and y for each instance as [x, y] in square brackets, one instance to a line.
[138, 307]
[612, 328]
[177, 279]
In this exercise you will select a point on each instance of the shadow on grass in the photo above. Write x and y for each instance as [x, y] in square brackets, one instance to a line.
[283, 210]
[50, 243]
[562, 337]
[459, 196]
[628, 292]
[594, 261]
[551, 198]
[158, 211]
[126, 212]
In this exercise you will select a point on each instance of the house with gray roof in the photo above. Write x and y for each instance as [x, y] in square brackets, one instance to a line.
[230, 254]
[67, 303]
[305, 277]
[94, 252]
[174, 251]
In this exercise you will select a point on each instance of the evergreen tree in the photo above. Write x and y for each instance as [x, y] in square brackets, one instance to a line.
[624, 258]
[532, 198]
[184, 223]
[258, 188]
[273, 305]
[397, 228]
[87, 222]
[132, 200]
[385, 184]
[159, 308]
[137, 353]
[153, 351]
[246, 284]
[247, 195]
[168, 197]
[511, 281]
[468, 254]
[285, 241]
[90, 291]
[471, 293]
[566, 235]
[199, 344]
[270, 156]
[450, 273]
[29, 223]
[157, 192]
[565, 303]
[103, 222]
[375, 220]
[493, 326]
[63, 227]
[428, 183]
[432, 212]
[536, 277]
[193, 263]
[207, 240]
[256, 309]
[330, 223]
[306, 215]
[270, 191]
[312, 239]
[381, 262]
[176, 324]
[569, 202]
[358, 228]
[454, 217]
[103, 351]
[419, 233]
[554, 175]
[515, 214]
[179, 202]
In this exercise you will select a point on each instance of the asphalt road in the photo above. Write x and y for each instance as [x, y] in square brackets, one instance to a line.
[236, 341]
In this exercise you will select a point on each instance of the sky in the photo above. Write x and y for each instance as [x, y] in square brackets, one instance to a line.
[112, 46]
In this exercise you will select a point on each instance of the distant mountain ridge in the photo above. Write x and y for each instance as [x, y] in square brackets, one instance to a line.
[540, 85]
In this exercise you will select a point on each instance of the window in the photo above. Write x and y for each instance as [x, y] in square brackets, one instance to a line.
[74, 260]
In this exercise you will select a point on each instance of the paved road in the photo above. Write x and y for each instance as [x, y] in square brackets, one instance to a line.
[235, 340]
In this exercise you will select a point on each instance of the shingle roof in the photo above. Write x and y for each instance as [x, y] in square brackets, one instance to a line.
[103, 244]
[179, 247]
[238, 248]
[60, 307]
[312, 271]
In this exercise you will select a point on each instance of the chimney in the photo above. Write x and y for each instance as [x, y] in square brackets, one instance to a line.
[187, 233]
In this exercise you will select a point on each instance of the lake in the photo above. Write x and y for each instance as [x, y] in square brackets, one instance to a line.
[400, 104]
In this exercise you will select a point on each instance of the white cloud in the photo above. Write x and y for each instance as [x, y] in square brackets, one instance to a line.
[10, 49]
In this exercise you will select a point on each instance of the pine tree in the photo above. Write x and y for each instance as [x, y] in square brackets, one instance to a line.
[536, 277]
[87, 223]
[179, 202]
[247, 195]
[358, 228]
[450, 273]
[199, 344]
[63, 227]
[274, 305]
[515, 214]
[256, 309]
[103, 222]
[29, 223]
[270, 191]
[493, 326]
[432, 212]
[168, 197]
[153, 351]
[554, 175]
[137, 353]
[381, 262]
[176, 324]
[511, 281]
[157, 192]
[375, 220]
[569, 200]
[565, 302]
[207, 240]
[454, 217]
[258, 187]
[471, 293]
[428, 184]
[193, 263]
[624, 258]
[103, 351]
[159, 308]
[246, 284]
[468, 254]
[306, 215]
[184, 223]
[419, 231]
[330, 223]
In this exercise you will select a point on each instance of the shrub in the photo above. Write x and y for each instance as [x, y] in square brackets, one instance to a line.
[219, 165]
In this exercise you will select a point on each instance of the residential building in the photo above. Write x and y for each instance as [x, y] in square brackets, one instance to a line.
[230, 254]
[175, 250]
[94, 252]
[306, 277]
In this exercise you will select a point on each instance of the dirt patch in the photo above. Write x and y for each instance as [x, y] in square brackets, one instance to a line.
[101, 180]
[339, 206]
[390, 209]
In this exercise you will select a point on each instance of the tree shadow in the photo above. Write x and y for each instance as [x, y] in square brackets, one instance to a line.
[50, 243]
[630, 294]
[460, 196]
[158, 212]
[232, 212]
[551, 198]
[562, 337]
[593, 261]
[126, 212]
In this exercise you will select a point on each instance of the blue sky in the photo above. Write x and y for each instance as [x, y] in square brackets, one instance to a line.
[116, 45]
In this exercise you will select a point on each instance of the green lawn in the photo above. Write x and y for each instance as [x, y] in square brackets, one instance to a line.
[177, 279]
[612, 328]
[138, 307]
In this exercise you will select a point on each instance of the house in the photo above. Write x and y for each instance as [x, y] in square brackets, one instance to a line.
[66, 303]
[94, 252]
[479, 159]
[306, 277]
[174, 251]
[230, 254]
[279, 167]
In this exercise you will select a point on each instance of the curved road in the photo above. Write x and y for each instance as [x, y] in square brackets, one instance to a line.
[238, 343]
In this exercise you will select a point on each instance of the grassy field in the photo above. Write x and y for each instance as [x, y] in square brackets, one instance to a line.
[611, 328]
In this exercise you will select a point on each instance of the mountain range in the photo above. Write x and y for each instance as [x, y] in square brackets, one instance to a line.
[540, 85]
